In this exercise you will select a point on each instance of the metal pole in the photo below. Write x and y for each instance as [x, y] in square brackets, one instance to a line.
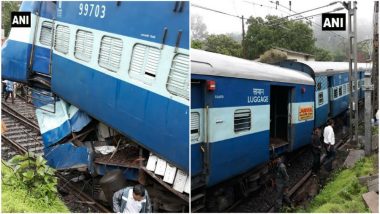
[368, 113]
[375, 58]
[243, 37]
[349, 24]
[356, 72]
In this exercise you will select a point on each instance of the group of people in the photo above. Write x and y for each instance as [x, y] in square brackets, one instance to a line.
[327, 142]
[136, 200]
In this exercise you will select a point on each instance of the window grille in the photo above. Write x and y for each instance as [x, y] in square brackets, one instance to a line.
[83, 45]
[144, 63]
[320, 98]
[178, 80]
[62, 37]
[335, 93]
[46, 33]
[242, 120]
[344, 89]
[319, 86]
[110, 53]
[195, 124]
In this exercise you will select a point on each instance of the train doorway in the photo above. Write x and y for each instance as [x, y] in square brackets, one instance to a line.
[280, 111]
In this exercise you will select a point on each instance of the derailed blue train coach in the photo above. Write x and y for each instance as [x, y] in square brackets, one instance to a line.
[110, 81]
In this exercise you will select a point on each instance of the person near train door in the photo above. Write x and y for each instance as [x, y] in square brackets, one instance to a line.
[316, 149]
[281, 183]
[329, 141]
[132, 200]
[9, 90]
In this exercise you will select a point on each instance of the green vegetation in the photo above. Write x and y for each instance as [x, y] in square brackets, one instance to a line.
[29, 185]
[6, 8]
[344, 193]
[262, 35]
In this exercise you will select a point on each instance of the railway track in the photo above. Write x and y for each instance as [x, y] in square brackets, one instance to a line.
[299, 170]
[21, 130]
[22, 135]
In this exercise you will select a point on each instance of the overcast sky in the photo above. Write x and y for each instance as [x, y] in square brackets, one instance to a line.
[220, 24]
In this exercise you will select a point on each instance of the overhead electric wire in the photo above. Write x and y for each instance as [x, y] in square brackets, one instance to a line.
[216, 11]
[308, 20]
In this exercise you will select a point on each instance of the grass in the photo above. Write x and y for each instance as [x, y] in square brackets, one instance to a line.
[17, 199]
[344, 193]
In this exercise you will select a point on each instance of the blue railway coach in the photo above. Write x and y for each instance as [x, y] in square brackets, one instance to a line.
[124, 65]
[332, 86]
[240, 110]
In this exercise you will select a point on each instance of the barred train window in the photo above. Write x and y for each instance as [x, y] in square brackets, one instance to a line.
[340, 91]
[110, 53]
[320, 98]
[242, 120]
[83, 45]
[319, 86]
[178, 80]
[195, 125]
[62, 37]
[144, 63]
[46, 33]
[335, 92]
[344, 89]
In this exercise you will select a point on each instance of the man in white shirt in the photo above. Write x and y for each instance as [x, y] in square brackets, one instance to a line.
[132, 200]
[329, 141]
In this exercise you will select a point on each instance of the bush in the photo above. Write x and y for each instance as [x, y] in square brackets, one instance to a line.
[29, 185]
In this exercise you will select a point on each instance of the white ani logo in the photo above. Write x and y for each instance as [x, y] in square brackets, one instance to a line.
[334, 22]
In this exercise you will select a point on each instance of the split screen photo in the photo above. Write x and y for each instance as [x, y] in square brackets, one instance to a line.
[188, 106]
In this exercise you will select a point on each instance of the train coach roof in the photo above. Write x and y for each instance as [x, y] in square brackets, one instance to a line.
[326, 68]
[207, 63]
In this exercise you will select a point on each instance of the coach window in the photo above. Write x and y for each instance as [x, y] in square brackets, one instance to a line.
[320, 98]
[110, 53]
[178, 80]
[62, 37]
[144, 63]
[83, 45]
[319, 86]
[344, 89]
[340, 90]
[242, 120]
[335, 92]
[195, 126]
[46, 33]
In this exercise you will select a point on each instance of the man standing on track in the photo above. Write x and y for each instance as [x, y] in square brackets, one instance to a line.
[316, 149]
[281, 182]
[329, 141]
[9, 91]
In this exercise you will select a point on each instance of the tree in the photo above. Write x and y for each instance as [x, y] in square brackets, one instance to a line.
[6, 8]
[262, 35]
[198, 28]
[273, 56]
[197, 44]
[223, 44]
[321, 54]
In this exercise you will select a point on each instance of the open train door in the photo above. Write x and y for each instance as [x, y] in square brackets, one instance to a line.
[280, 118]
